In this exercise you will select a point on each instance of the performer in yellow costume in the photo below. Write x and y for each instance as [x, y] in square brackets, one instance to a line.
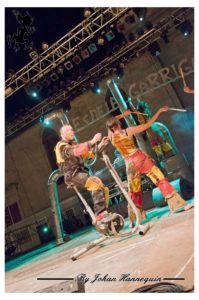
[138, 162]
[69, 155]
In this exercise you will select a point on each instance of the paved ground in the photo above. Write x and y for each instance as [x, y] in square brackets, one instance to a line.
[166, 251]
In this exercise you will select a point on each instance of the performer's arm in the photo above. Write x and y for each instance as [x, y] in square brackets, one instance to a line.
[188, 90]
[137, 129]
[83, 148]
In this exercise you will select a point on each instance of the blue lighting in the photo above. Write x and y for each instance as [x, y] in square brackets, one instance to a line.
[98, 91]
[141, 19]
[186, 33]
[34, 94]
[47, 122]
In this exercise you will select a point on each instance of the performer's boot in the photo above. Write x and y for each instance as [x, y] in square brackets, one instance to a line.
[132, 216]
[176, 203]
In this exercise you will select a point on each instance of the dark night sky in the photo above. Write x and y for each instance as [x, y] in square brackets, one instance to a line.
[50, 25]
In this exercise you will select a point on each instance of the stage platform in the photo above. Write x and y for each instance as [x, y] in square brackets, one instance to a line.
[165, 253]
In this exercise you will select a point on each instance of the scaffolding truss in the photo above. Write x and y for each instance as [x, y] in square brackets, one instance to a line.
[63, 48]
[102, 69]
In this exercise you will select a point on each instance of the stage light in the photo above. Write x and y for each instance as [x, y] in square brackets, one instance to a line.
[100, 41]
[54, 77]
[68, 65]
[33, 54]
[87, 12]
[140, 12]
[186, 28]
[34, 94]
[60, 70]
[95, 87]
[110, 35]
[44, 46]
[92, 48]
[47, 122]
[76, 59]
[45, 233]
[8, 91]
[85, 54]
[45, 229]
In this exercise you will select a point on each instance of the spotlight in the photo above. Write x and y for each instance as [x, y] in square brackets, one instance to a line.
[8, 91]
[140, 13]
[95, 87]
[34, 94]
[154, 48]
[92, 48]
[68, 65]
[100, 41]
[45, 121]
[60, 70]
[76, 59]
[110, 35]
[45, 233]
[84, 53]
[186, 28]
[44, 46]
[33, 54]
[87, 12]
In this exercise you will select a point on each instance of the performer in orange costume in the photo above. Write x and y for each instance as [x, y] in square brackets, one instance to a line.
[161, 147]
[138, 162]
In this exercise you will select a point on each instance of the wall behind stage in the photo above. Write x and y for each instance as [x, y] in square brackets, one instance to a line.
[147, 77]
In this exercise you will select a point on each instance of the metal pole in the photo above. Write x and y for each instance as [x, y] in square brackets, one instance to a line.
[55, 205]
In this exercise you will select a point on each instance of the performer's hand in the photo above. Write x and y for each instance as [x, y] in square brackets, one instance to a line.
[163, 109]
[97, 138]
[104, 142]
[188, 90]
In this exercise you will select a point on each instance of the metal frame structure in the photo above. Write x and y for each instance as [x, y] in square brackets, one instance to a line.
[102, 69]
[63, 48]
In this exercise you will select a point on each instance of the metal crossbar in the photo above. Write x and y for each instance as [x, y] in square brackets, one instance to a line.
[125, 53]
[63, 48]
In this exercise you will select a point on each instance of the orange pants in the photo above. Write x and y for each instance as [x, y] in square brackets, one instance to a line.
[140, 163]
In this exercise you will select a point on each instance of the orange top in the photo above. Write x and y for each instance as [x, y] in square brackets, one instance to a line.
[124, 144]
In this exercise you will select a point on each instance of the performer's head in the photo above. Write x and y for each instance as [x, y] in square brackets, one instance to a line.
[67, 133]
[113, 124]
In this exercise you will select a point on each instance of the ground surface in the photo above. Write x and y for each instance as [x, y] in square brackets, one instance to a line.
[166, 251]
